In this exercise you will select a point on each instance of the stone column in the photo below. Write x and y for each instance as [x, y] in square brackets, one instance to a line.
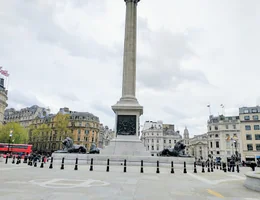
[129, 63]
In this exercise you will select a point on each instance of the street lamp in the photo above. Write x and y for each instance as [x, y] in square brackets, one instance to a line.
[10, 136]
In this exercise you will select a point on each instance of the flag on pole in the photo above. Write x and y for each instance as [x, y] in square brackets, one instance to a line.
[4, 72]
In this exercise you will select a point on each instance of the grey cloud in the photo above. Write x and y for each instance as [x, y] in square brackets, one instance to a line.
[105, 109]
[174, 113]
[24, 99]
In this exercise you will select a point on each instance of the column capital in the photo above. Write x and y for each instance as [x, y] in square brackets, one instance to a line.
[135, 1]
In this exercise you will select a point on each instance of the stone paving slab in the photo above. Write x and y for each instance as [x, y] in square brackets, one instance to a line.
[24, 182]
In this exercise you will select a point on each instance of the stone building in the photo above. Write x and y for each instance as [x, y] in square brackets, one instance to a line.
[83, 127]
[198, 147]
[250, 132]
[224, 137]
[25, 116]
[105, 135]
[3, 99]
[157, 136]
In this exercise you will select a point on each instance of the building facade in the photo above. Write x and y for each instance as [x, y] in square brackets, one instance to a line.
[198, 147]
[3, 100]
[25, 116]
[157, 136]
[250, 132]
[224, 139]
[82, 127]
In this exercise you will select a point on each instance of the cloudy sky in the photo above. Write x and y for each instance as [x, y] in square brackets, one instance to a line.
[189, 54]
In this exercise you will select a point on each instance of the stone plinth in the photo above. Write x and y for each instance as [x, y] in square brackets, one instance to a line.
[84, 159]
[252, 181]
[125, 146]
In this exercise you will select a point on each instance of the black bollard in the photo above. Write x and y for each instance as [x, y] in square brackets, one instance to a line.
[124, 165]
[42, 162]
[172, 168]
[76, 164]
[6, 160]
[35, 163]
[91, 165]
[17, 161]
[157, 169]
[195, 168]
[184, 170]
[142, 167]
[237, 168]
[229, 168]
[62, 164]
[208, 167]
[211, 167]
[217, 165]
[214, 165]
[51, 166]
[203, 170]
[233, 167]
[107, 165]
[224, 167]
[13, 160]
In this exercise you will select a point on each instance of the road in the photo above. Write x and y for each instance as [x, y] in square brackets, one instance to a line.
[24, 182]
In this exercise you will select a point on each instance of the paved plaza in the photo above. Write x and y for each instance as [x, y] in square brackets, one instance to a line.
[24, 182]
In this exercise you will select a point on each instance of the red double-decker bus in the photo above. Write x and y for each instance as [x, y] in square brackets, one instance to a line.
[15, 149]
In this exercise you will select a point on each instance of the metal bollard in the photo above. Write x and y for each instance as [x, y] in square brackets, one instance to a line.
[35, 163]
[13, 160]
[91, 165]
[51, 164]
[17, 161]
[76, 164]
[42, 162]
[172, 168]
[203, 170]
[184, 170]
[224, 167]
[6, 160]
[217, 165]
[208, 167]
[124, 165]
[214, 165]
[233, 167]
[107, 165]
[157, 169]
[195, 168]
[211, 167]
[237, 168]
[62, 164]
[142, 167]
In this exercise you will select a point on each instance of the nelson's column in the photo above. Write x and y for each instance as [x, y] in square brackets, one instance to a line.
[127, 109]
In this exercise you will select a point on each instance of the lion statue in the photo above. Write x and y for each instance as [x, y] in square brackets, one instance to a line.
[177, 151]
[69, 147]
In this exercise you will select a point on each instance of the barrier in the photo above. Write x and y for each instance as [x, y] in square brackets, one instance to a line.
[107, 165]
[42, 162]
[6, 160]
[172, 168]
[62, 164]
[203, 170]
[51, 164]
[142, 167]
[91, 165]
[124, 165]
[76, 164]
[195, 168]
[157, 170]
[184, 170]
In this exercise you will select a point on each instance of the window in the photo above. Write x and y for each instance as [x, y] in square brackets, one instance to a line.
[174, 141]
[157, 148]
[148, 140]
[80, 124]
[170, 141]
[164, 141]
[245, 111]
[217, 152]
[210, 128]
[216, 135]
[248, 137]
[217, 144]
[79, 131]
[157, 141]
[234, 126]
[226, 126]
[257, 136]
[152, 147]
[216, 127]
[92, 139]
[152, 140]
[249, 147]
[247, 127]
[247, 117]
[86, 131]
[148, 148]
[254, 110]
[257, 147]
[78, 139]
[211, 144]
[255, 117]
[256, 127]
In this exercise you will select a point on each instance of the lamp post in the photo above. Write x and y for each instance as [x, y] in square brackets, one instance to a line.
[10, 136]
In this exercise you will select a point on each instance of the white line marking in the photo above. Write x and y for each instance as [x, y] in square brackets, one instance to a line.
[12, 168]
